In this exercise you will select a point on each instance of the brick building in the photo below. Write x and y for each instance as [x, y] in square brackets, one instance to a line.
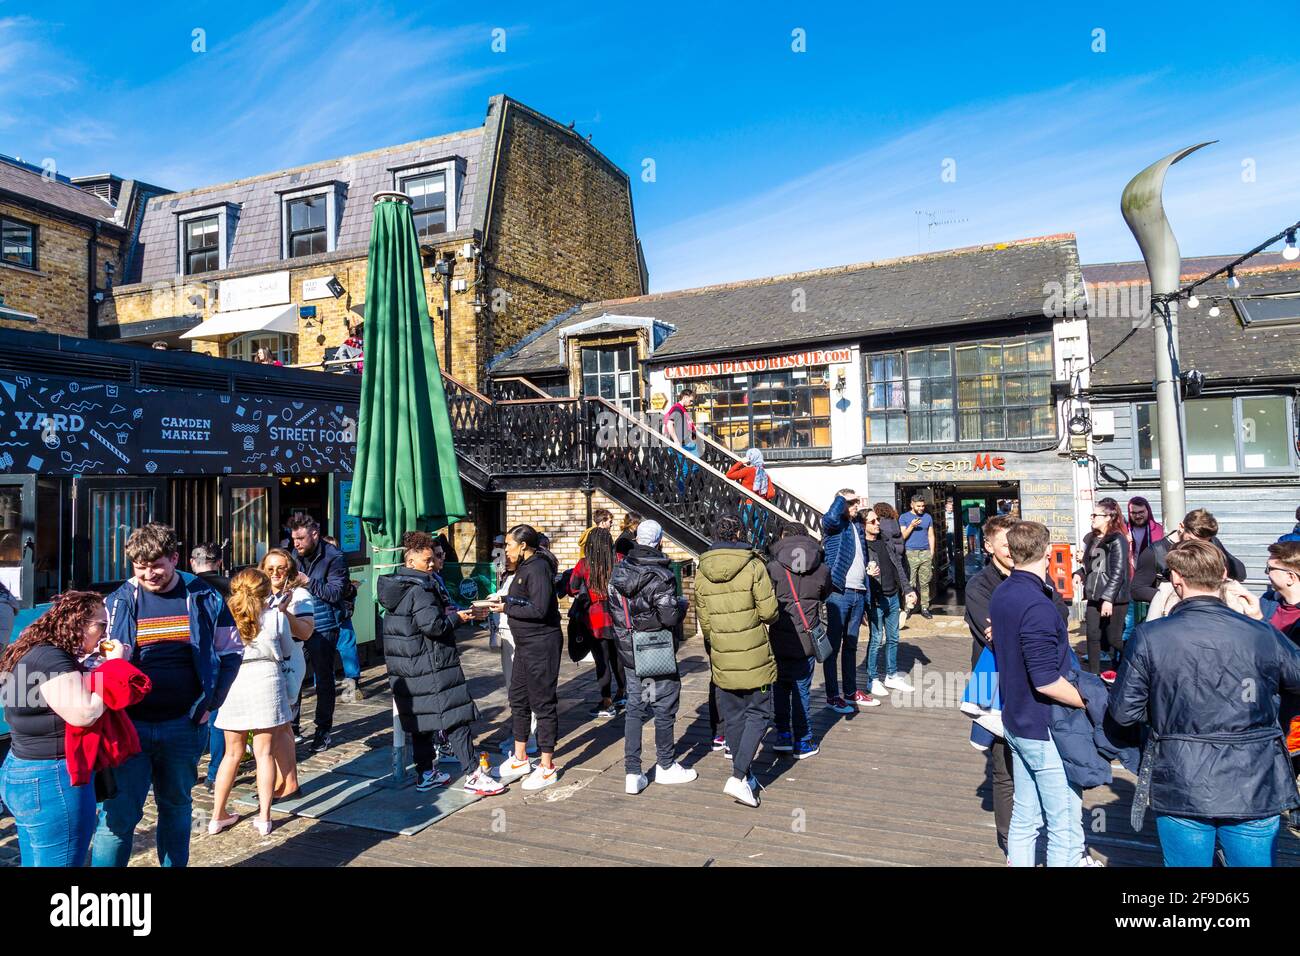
[60, 248]
[518, 218]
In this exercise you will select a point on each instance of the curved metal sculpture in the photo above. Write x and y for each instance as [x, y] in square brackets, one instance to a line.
[1142, 205]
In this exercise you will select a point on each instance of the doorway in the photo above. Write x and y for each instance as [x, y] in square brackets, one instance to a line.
[302, 493]
[959, 510]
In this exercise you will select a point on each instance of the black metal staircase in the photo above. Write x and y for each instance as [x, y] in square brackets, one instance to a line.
[540, 442]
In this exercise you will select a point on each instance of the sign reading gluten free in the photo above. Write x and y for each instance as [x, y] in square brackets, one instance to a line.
[773, 363]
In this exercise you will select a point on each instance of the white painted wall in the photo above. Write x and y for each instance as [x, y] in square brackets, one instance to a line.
[846, 410]
[817, 483]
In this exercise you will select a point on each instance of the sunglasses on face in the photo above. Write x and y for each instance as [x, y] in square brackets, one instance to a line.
[1271, 568]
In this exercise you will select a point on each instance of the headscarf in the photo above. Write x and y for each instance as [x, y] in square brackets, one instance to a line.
[754, 459]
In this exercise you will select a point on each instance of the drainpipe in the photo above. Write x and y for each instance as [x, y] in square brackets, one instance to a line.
[92, 307]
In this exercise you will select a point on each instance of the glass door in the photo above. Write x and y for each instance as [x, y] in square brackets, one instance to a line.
[105, 512]
[18, 536]
[248, 508]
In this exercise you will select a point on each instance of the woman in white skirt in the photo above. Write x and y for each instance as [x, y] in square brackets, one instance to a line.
[258, 701]
[296, 605]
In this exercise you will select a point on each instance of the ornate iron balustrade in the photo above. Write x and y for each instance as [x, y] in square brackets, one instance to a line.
[723, 458]
[597, 439]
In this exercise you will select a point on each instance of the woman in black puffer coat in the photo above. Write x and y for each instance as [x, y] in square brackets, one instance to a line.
[424, 669]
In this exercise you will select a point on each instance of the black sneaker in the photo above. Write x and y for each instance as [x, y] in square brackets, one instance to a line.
[925, 613]
[319, 743]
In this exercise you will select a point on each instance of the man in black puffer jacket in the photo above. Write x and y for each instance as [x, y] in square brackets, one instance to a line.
[424, 669]
[796, 560]
[643, 597]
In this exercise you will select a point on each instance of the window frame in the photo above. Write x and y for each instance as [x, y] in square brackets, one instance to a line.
[34, 265]
[331, 227]
[1242, 471]
[720, 384]
[450, 169]
[955, 378]
[182, 223]
[242, 343]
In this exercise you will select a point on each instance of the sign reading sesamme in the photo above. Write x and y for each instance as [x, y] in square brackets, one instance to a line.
[773, 363]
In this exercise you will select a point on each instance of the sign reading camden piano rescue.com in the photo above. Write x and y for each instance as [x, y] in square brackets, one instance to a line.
[773, 363]
[57, 426]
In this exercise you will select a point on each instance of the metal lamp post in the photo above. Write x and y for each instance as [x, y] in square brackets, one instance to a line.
[1143, 207]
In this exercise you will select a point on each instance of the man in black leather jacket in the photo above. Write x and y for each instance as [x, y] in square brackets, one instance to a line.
[1206, 681]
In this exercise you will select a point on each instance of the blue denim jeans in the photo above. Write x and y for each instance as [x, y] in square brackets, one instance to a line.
[1130, 621]
[54, 819]
[168, 762]
[686, 467]
[216, 747]
[884, 630]
[1188, 841]
[348, 653]
[793, 690]
[844, 612]
[1043, 791]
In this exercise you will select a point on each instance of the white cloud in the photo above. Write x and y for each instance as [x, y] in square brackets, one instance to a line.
[1033, 165]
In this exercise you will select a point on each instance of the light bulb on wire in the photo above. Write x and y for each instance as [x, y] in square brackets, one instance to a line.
[1233, 282]
[1193, 302]
[1289, 252]
[1214, 311]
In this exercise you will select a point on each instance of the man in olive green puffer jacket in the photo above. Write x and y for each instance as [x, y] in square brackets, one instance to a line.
[735, 602]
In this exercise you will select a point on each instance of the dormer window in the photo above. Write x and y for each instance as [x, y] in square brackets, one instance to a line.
[433, 190]
[203, 241]
[309, 221]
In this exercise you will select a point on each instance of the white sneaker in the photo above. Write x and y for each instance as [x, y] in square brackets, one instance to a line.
[541, 777]
[739, 790]
[674, 774]
[484, 784]
[898, 682]
[878, 689]
[432, 778]
[1089, 860]
[512, 769]
[636, 782]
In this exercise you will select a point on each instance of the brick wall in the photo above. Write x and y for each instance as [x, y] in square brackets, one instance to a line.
[561, 231]
[562, 514]
[56, 292]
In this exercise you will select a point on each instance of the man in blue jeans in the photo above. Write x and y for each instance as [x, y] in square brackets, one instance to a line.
[349, 655]
[324, 573]
[845, 547]
[1032, 647]
[179, 633]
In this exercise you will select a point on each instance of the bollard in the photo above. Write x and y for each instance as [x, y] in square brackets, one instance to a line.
[401, 750]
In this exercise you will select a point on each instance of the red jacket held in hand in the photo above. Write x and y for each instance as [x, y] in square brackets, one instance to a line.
[112, 739]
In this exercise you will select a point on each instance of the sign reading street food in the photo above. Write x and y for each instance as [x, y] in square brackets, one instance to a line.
[60, 426]
[771, 363]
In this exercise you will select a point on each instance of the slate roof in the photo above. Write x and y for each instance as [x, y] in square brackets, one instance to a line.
[256, 236]
[55, 194]
[1221, 348]
[952, 288]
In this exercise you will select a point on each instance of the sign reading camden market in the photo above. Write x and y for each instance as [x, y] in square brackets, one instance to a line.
[57, 426]
[773, 363]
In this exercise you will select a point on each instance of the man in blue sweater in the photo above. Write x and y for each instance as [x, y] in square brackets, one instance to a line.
[1032, 649]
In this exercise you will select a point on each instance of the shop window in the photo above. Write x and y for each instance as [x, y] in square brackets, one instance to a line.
[18, 243]
[979, 391]
[278, 344]
[114, 513]
[783, 409]
[1223, 436]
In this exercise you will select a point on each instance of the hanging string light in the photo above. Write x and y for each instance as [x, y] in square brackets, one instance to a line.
[1289, 251]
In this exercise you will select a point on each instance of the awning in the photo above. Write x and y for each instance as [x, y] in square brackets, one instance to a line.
[270, 318]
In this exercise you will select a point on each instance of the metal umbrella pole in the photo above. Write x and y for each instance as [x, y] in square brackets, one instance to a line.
[1143, 207]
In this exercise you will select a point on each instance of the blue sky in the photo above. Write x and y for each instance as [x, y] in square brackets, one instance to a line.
[766, 160]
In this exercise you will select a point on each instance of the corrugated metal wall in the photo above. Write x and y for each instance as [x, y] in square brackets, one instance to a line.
[1252, 512]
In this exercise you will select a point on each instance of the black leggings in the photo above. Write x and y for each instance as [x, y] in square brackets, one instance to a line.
[1111, 628]
[609, 669]
[458, 738]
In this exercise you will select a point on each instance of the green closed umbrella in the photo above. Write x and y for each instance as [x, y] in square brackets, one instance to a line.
[406, 477]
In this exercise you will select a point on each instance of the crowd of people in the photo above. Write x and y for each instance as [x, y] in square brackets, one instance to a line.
[1202, 678]
[109, 698]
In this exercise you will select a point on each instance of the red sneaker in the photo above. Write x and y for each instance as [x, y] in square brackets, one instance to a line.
[839, 705]
[863, 701]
